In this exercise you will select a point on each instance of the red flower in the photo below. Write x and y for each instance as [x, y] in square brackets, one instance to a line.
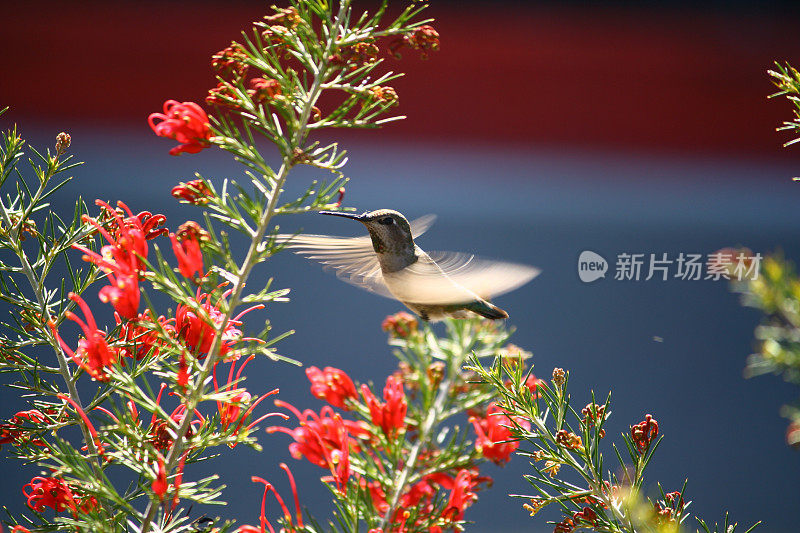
[48, 492]
[377, 494]
[565, 526]
[533, 383]
[162, 432]
[238, 408]
[644, 433]
[15, 432]
[423, 492]
[121, 259]
[86, 421]
[339, 198]
[400, 325]
[230, 62]
[184, 122]
[585, 517]
[332, 385]
[319, 434]
[194, 192]
[141, 336]
[146, 222]
[127, 239]
[199, 334]
[182, 379]
[93, 353]
[494, 434]
[123, 293]
[190, 257]
[160, 484]
[262, 89]
[423, 38]
[264, 523]
[223, 95]
[339, 460]
[594, 415]
[389, 416]
[461, 495]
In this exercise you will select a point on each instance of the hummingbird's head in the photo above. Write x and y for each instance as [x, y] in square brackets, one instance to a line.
[389, 229]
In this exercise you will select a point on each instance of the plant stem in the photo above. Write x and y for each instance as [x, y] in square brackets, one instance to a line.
[36, 285]
[431, 420]
[251, 259]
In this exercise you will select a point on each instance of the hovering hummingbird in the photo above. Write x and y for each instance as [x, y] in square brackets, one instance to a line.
[389, 263]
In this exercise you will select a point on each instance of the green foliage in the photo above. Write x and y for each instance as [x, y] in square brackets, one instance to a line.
[569, 466]
[787, 79]
[776, 292]
[159, 398]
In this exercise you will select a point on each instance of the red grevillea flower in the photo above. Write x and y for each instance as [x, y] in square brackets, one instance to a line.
[160, 484]
[49, 492]
[461, 494]
[127, 238]
[123, 218]
[533, 383]
[264, 524]
[198, 333]
[400, 325]
[123, 294]
[319, 434]
[339, 198]
[422, 491]
[86, 421]
[184, 122]
[194, 192]
[332, 385]
[263, 89]
[162, 432]
[121, 258]
[93, 353]
[424, 38]
[238, 408]
[230, 62]
[190, 257]
[339, 459]
[390, 415]
[15, 432]
[494, 433]
[141, 336]
[644, 433]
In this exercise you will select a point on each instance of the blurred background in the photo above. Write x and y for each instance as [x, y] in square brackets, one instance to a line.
[540, 130]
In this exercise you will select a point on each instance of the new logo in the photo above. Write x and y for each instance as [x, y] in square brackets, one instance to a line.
[591, 266]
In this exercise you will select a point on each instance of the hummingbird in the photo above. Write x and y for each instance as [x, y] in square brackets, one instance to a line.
[389, 263]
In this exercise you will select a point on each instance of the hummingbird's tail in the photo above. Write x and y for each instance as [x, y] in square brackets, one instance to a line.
[487, 310]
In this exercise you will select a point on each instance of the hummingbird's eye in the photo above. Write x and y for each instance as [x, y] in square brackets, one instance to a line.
[386, 221]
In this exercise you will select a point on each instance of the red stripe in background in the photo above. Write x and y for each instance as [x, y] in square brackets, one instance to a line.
[642, 79]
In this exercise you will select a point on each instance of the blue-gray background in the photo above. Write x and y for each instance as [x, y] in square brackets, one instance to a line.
[540, 207]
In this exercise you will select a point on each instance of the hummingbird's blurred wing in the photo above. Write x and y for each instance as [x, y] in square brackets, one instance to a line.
[451, 278]
[353, 258]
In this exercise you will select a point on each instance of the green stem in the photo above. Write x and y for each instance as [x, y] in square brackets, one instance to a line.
[433, 417]
[251, 259]
[36, 285]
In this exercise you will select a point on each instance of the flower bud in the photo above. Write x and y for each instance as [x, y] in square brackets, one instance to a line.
[63, 140]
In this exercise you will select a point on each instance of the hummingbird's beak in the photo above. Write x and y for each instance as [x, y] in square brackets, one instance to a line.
[353, 216]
